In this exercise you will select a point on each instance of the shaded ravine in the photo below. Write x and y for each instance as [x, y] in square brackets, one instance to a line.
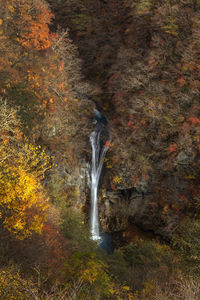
[98, 37]
[100, 30]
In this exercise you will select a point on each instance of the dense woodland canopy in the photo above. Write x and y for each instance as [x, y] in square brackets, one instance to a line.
[138, 61]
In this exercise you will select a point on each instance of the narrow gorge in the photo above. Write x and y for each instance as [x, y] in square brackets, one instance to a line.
[100, 149]
[126, 71]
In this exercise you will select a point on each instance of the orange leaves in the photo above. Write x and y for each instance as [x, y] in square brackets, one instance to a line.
[107, 143]
[36, 39]
[152, 62]
[32, 61]
[181, 81]
[33, 21]
[61, 85]
[62, 64]
[130, 125]
[37, 36]
[130, 122]
[19, 136]
[127, 31]
[5, 140]
[194, 120]
[173, 148]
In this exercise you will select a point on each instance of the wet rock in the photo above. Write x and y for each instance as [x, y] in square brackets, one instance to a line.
[107, 243]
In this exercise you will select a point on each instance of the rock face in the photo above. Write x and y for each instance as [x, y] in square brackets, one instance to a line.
[142, 206]
[80, 179]
[118, 212]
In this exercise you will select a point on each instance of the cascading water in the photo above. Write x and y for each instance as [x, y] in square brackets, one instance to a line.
[98, 155]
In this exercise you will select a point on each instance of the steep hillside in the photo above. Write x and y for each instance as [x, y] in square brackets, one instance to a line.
[132, 68]
[144, 56]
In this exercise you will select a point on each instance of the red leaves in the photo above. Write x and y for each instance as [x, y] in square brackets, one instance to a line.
[52, 108]
[130, 122]
[54, 243]
[62, 64]
[130, 125]
[194, 120]
[107, 143]
[181, 81]
[113, 186]
[183, 198]
[173, 148]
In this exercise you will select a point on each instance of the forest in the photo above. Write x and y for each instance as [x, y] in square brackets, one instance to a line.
[133, 66]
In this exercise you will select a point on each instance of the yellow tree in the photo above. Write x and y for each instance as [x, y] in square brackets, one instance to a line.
[22, 166]
[22, 202]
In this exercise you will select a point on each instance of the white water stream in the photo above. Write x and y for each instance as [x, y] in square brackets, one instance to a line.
[98, 156]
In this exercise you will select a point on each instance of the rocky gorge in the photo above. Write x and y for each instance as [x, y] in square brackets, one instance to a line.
[148, 175]
[89, 84]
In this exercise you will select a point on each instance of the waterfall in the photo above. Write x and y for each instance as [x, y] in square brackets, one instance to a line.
[98, 155]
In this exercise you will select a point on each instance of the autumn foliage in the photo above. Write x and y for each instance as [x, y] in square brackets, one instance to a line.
[22, 201]
[144, 56]
[22, 166]
[139, 62]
